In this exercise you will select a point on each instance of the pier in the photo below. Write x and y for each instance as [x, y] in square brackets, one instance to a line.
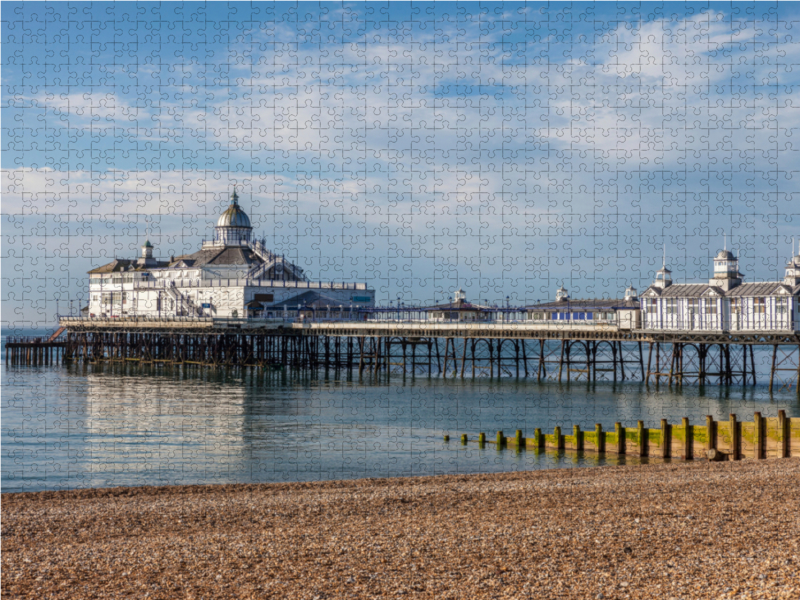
[30, 350]
[544, 351]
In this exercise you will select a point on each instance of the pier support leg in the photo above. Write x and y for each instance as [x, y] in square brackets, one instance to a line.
[464, 357]
[772, 370]
[542, 371]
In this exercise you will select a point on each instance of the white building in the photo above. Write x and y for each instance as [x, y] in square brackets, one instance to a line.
[725, 303]
[622, 313]
[458, 309]
[231, 276]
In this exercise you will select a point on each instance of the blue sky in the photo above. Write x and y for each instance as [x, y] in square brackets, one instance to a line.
[502, 148]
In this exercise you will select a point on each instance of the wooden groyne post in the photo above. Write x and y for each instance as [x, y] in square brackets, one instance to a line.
[764, 437]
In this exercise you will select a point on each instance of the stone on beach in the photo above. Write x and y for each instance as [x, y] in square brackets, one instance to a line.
[687, 530]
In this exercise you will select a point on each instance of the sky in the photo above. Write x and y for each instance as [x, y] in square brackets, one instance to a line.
[504, 148]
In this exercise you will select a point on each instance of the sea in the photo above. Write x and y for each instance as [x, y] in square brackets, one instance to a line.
[97, 426]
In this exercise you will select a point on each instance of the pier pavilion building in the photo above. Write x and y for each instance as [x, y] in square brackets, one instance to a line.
[725, 303]
[230, 276]
[619, 313]
[458, 309]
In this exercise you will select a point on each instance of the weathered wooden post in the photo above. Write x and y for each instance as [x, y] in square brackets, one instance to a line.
[758, 436]
[601, 438]
[481, 440]
[783, 427]
[576, 432]
[559, 438]
[518, 439]
[688, 439]
[736, 438]
[447, 438]
[538, 438]
[620, 431]
[641, 436]
[711, 433]
[666, 439]
[501, 441]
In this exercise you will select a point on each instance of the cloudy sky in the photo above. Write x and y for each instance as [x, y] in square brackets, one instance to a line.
[503, 148]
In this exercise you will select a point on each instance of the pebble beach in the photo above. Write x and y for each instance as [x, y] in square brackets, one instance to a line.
[680, 530]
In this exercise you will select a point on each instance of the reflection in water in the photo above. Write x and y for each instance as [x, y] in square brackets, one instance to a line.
[99, 426]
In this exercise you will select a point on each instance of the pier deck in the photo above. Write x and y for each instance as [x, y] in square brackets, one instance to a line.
[556, 352]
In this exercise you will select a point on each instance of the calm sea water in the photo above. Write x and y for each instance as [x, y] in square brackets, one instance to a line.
[100, 426]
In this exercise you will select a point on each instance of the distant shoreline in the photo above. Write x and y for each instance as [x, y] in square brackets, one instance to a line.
[670, 530]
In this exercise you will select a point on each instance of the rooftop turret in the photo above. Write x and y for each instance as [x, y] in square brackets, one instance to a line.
[233, 226]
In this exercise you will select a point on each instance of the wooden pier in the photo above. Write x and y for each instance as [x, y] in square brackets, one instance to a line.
[556, 353]
[35, 351]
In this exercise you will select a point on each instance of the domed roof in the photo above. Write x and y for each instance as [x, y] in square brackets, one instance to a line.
[147, 244]
[725, 255]
[234, 216]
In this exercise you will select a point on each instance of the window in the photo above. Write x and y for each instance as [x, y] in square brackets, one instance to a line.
[736, 305]
[671, 304]
[710, 306]
[691, 305]
[651, 306]
[781, 305]
[759, 306]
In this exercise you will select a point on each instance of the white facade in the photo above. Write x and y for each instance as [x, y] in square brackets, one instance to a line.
[725, 303]
[231, 276]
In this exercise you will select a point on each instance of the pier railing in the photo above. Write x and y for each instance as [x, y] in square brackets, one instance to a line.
[249, 282]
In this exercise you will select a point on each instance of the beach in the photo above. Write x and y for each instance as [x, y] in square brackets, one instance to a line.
[676, 530]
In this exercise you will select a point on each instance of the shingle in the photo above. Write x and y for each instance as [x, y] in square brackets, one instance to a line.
[764, 288]
[685, 290]
[114, 266]
[221, 256]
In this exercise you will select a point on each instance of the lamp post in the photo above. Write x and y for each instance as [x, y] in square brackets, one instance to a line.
[398, 307]
[508, 307]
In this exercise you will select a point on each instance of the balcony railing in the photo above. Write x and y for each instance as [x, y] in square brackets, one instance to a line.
[704, 322]
[223, 283]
